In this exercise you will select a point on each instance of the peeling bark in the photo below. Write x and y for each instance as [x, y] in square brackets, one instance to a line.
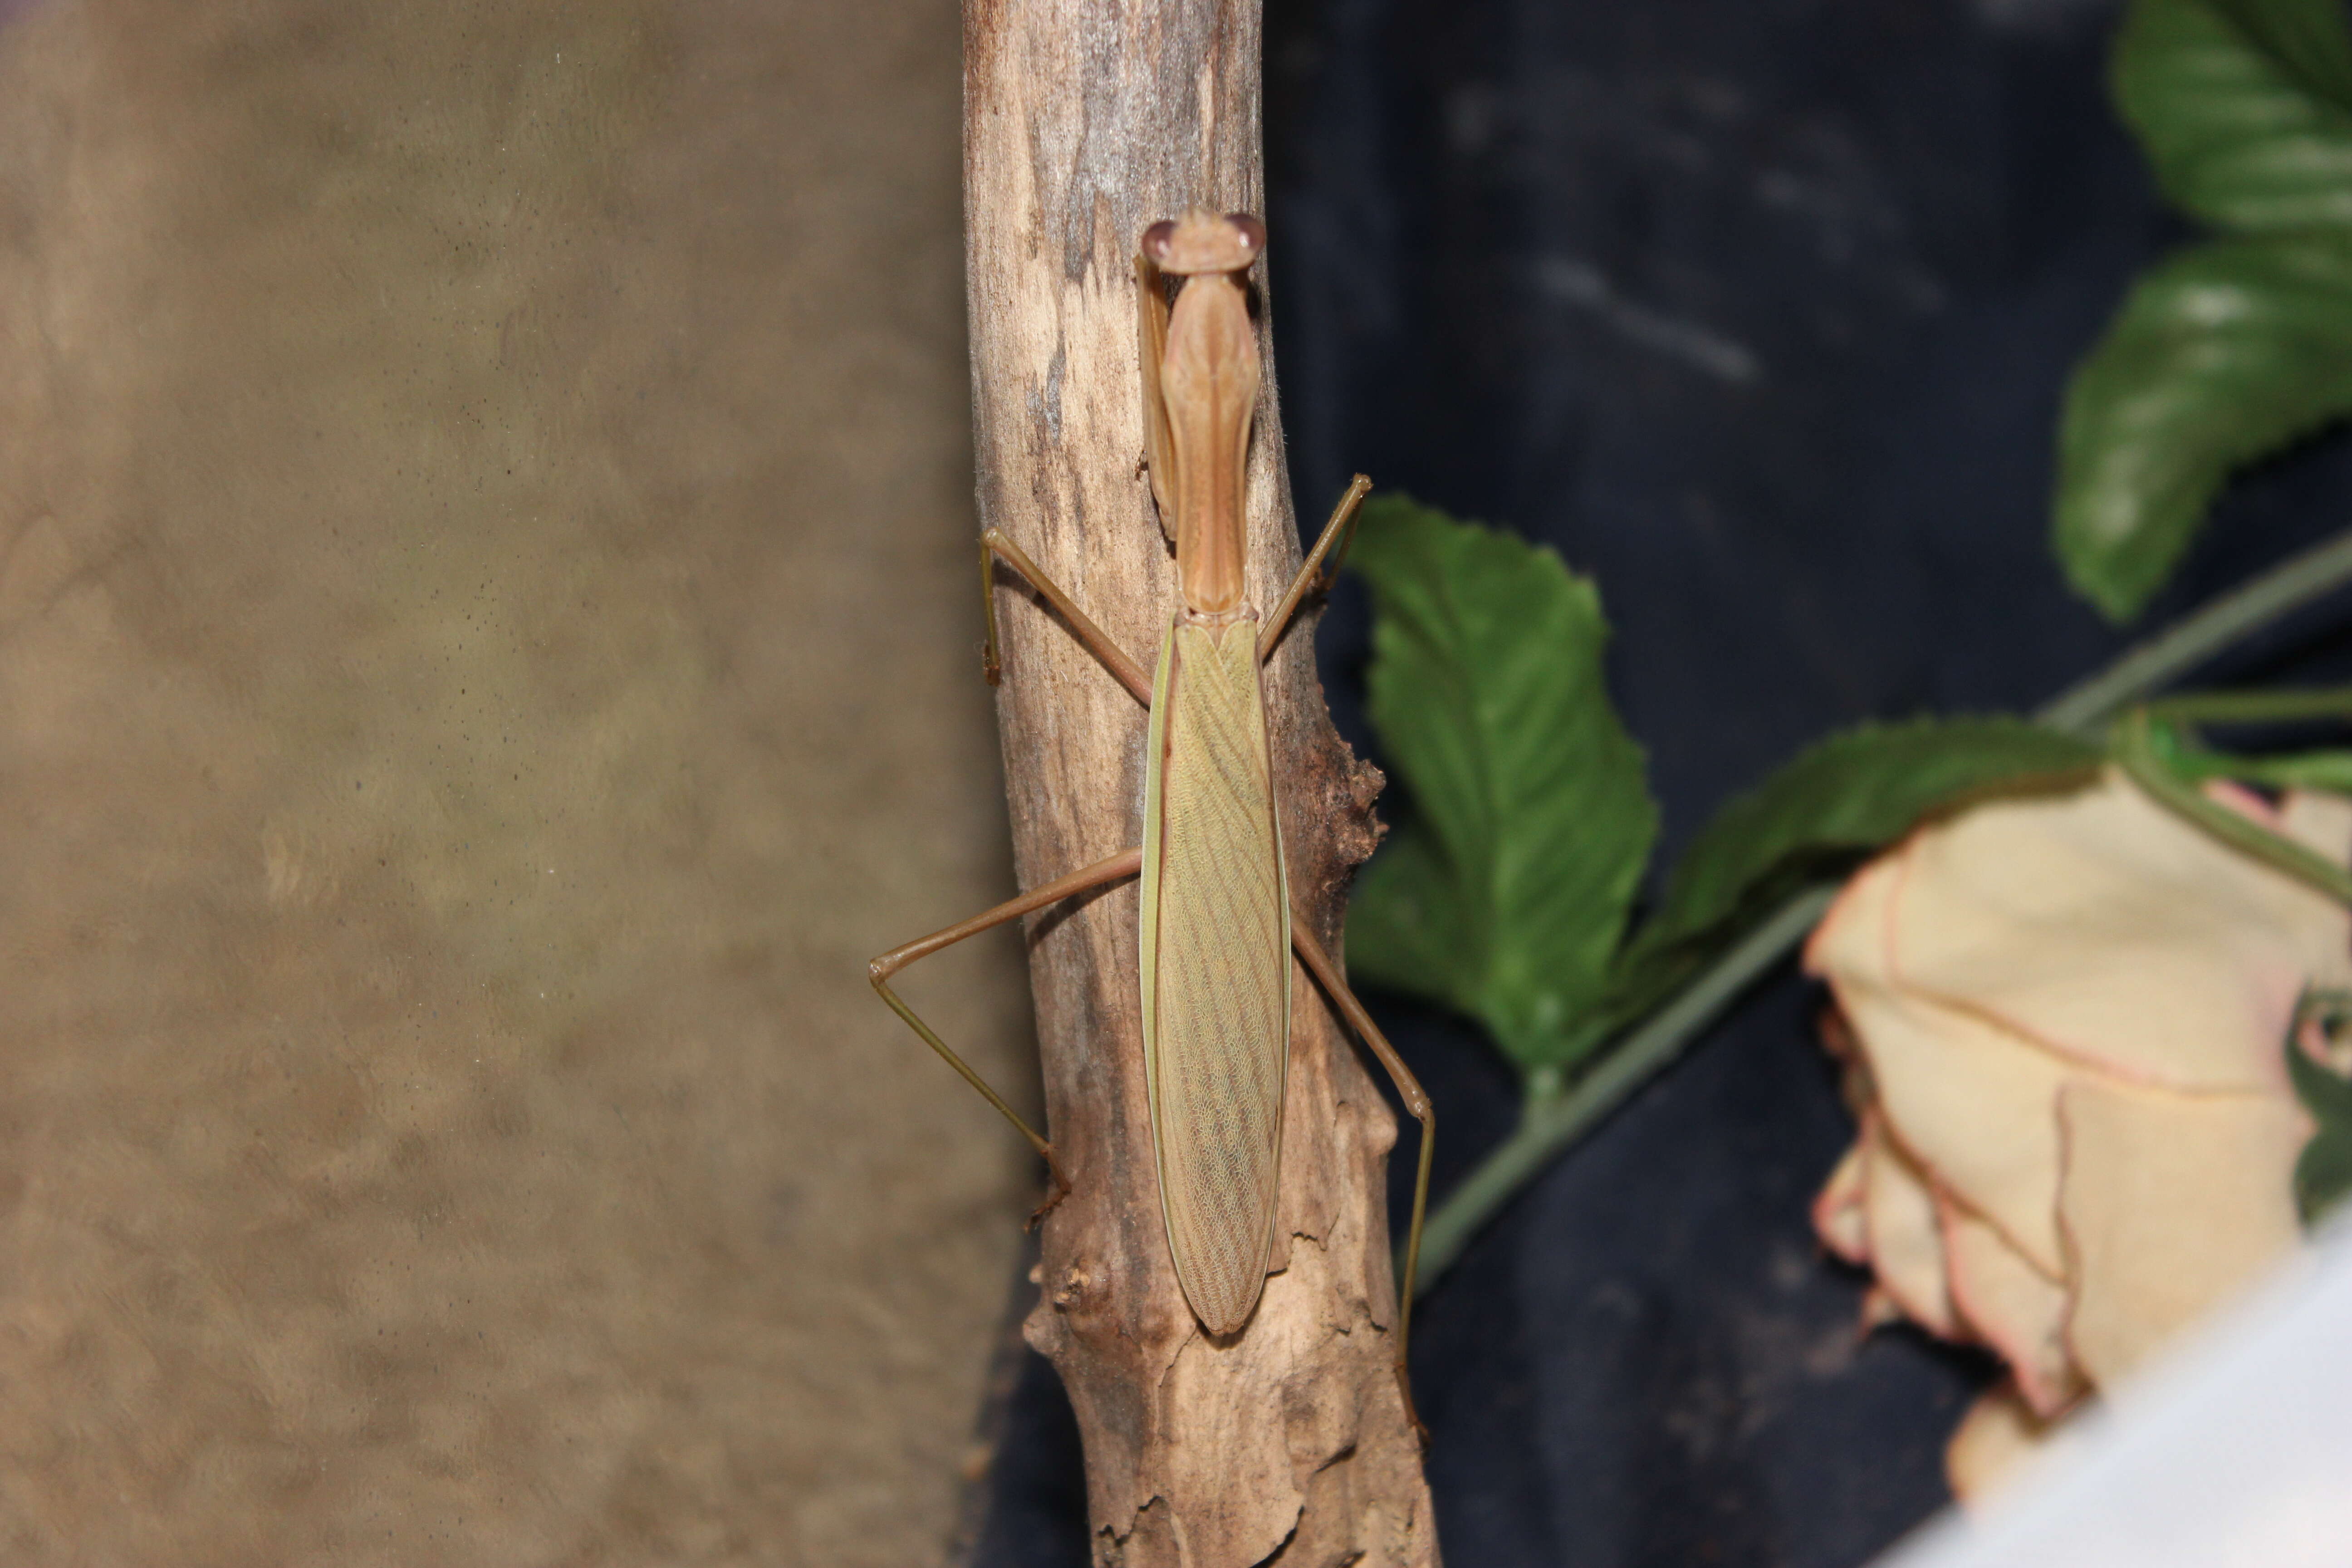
[1287, 1442]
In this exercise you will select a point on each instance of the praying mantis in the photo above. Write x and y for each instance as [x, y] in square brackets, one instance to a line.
[1217, 928]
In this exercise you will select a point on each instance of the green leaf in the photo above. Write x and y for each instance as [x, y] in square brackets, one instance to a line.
[1840, 799]
[2245, 107]
[2223, 353]
[2323, 1175]
[1506, 893]
[1410, 923]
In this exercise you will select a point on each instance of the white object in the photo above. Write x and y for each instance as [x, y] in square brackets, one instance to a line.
[2234, 1451]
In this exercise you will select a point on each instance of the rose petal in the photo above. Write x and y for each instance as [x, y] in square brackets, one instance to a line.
[1972, 1104]
[2320, 822]
[2170, 1204]
[2105, 927]
[2013, 1307]
[1850, 942]
[1995, 1439]
[1906, 1245]
[1839, 1217]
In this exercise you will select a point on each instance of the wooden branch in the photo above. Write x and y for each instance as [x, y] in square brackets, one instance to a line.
[1084, 121]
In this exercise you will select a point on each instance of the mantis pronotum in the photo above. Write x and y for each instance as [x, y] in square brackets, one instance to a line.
[1216, 927]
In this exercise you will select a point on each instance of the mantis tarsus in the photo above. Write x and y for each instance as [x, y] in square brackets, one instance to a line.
[1217, 927]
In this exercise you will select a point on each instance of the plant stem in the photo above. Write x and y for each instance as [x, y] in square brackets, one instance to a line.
[2203, 634]
[2293, 705]
[2137, 754]
[1553, 1120]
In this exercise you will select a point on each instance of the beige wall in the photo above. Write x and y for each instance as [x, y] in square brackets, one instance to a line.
[486, 651]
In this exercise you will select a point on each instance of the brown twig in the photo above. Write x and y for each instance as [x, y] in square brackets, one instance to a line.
[1288, 1441]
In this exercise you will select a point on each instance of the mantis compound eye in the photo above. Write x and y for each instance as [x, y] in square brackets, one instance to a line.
[1202, 242]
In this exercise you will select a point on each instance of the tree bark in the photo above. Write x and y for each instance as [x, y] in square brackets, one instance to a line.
[1085, 121]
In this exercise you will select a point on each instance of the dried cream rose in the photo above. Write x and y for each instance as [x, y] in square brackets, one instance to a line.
[2063, 1020]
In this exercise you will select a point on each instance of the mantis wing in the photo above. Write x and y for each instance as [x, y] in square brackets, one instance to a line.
[1215, 964]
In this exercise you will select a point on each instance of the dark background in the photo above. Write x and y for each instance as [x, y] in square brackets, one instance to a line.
[1760, 311]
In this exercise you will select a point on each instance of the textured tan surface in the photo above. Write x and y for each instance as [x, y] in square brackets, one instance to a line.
[486, 651]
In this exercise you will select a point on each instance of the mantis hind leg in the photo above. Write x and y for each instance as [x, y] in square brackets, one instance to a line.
[881, 969]
[1337, 535]
[1416, 1100]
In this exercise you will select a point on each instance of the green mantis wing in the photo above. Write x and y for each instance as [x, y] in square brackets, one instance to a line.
[1215, 964]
